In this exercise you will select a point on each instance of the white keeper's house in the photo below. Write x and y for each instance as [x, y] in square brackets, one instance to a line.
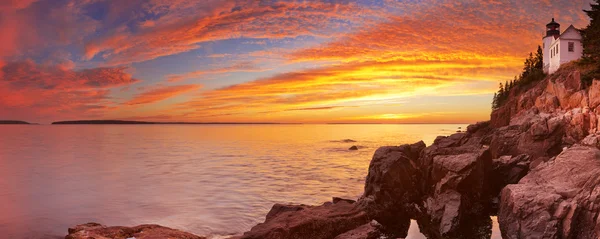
[560, 48]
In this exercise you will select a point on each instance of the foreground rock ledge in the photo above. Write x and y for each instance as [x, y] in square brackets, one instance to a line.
[327, 221]
[98, 231]
[558, 199]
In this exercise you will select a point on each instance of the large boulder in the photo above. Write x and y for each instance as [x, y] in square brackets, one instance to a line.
[392, 186]
[541, 136]
[558, 199]
[300, 221]
[457, 191]
[505, 141]
[98, 231]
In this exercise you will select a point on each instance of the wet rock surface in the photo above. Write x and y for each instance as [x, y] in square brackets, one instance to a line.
[98, 231]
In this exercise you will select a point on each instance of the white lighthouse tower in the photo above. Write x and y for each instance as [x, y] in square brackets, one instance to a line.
[552, 32]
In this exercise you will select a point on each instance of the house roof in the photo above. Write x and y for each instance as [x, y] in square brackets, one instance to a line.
[571, 27]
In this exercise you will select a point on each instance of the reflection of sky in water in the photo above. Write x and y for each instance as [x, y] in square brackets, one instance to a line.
[206, 179]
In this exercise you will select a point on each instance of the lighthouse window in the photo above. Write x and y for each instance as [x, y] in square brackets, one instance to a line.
[571, 46]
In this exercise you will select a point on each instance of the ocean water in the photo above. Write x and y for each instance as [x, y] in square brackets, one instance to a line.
[212, 180]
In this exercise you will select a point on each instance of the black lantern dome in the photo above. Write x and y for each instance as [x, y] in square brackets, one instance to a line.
[552, 28]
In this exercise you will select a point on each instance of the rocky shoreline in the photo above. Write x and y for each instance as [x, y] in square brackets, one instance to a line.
[535, 164]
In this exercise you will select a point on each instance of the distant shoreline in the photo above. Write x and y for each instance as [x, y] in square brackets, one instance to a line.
[133, 122]
[141, 122]
[130, 122]
[13, 122]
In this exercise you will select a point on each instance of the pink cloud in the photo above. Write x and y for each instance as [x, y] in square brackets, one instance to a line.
[29, 90]
[245, 66]
[179, 32]
[11, 5]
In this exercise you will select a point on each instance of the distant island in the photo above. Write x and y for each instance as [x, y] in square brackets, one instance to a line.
[142, 122]
[13, 122]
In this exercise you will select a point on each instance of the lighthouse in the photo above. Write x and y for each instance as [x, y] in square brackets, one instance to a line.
[560, 48]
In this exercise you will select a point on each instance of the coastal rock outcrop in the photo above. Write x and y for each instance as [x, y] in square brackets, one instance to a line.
[98, 231]
[392, 187]
[558, 199]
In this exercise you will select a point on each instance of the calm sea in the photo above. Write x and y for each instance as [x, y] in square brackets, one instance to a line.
[212, 180]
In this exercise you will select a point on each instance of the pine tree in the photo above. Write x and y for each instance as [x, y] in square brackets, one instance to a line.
[528, 65]
[591, 34]
[539, 59]
[495, 101]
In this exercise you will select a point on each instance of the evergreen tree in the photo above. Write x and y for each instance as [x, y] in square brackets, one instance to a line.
[495, 101]
[528, 66]
[539, 59]
[591, 34]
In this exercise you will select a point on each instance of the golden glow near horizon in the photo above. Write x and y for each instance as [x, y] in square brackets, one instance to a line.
[286, 61]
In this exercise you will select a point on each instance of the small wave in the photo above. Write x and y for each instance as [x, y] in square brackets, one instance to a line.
[343, 141]
[230, 156]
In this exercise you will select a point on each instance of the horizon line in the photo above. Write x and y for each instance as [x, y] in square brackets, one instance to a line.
[113, 122]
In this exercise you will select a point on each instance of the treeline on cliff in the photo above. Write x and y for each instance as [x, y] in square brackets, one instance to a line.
[533, 70]
[591, 44]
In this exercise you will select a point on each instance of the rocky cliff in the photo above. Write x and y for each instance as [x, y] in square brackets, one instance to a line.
[535, 164]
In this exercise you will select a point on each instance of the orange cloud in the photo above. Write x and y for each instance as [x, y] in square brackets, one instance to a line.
[29, 90]
[448, 30]
[161, 93]
[342, 87]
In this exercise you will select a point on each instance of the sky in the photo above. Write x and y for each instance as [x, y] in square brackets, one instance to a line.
[328, 61]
